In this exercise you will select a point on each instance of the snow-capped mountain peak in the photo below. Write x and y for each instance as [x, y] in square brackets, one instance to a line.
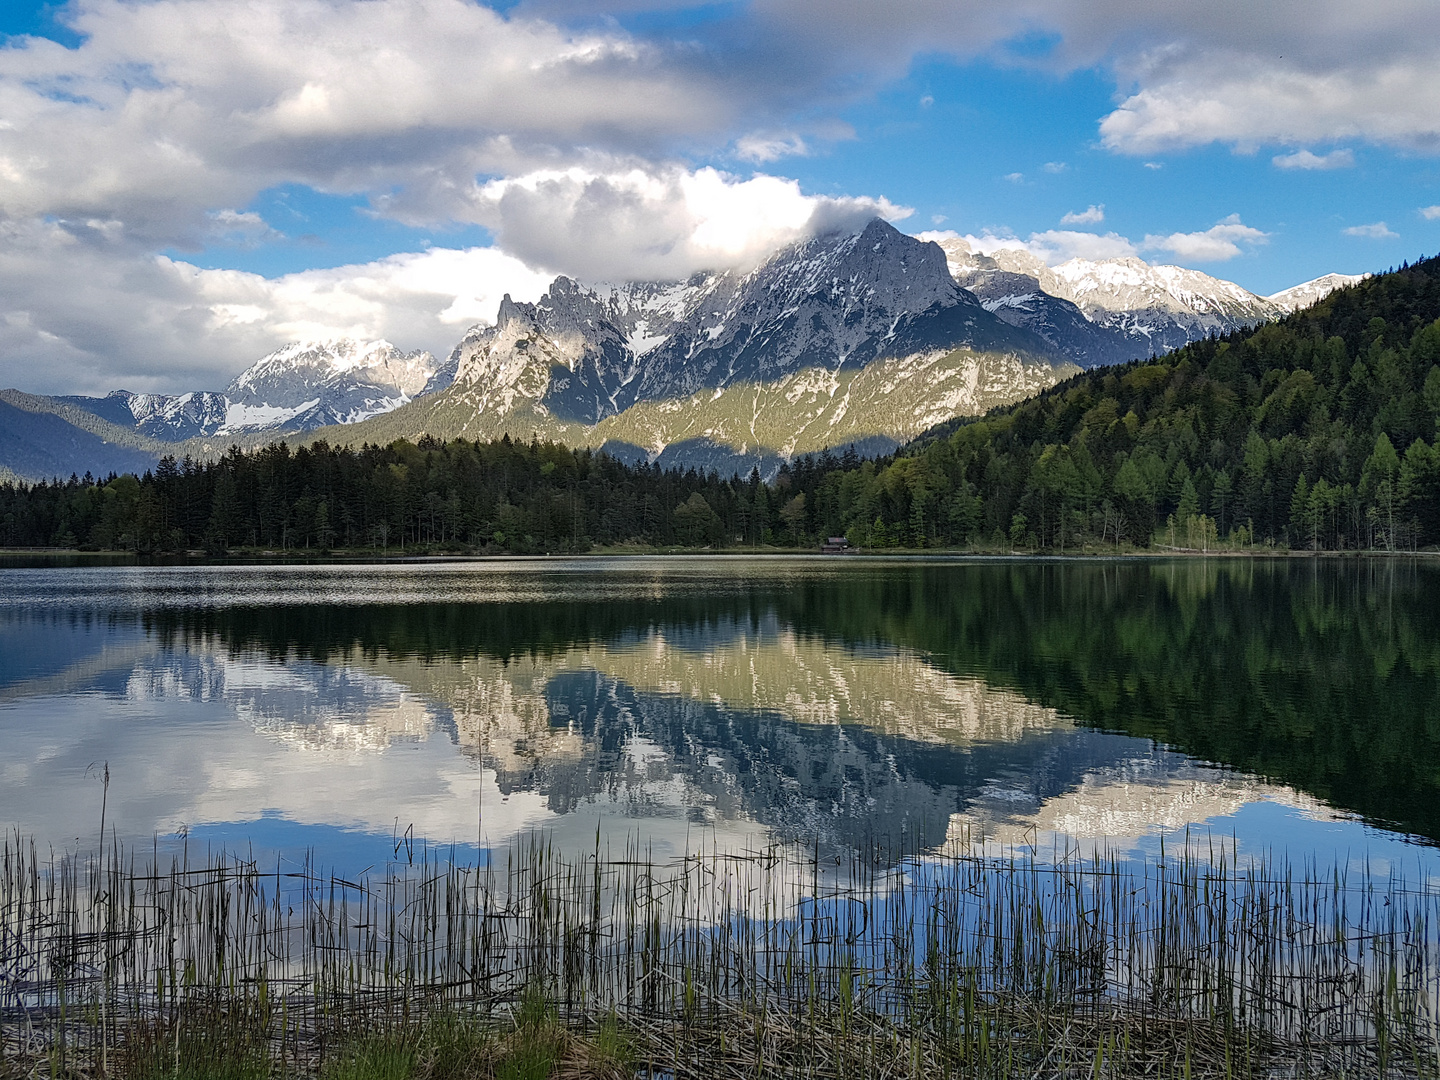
[314, 383]
[335, 362]
[844, 336]
[836, 300]
[303, 385]
[1311, 292]
[849, 338]
[1131, 284]
[1101, 311]
[650, 311]
[197, 411]
[1124, 284]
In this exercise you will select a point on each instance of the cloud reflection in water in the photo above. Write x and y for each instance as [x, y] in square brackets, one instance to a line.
[731, 728]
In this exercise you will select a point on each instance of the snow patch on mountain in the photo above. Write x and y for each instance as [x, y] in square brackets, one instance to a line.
[843, 338]
[349, 377]
[309, 384]
[1312, 292]
[1126, 284]
[1110, 310]
[240, 417]
[648, 312]
[177, 416]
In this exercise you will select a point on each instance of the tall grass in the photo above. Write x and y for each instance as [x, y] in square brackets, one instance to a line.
[770, 962]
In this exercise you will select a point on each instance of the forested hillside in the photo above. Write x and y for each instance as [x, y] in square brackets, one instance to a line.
[1316, 432]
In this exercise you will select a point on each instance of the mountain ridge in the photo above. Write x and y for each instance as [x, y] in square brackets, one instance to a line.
[721, 370]
[1130, 309]
[847, 338]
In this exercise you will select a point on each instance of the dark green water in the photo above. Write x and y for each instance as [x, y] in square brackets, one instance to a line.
[1292, 704]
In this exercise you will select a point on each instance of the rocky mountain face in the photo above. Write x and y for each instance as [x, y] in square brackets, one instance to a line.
[167, 417]
[567, 356]
[845, 339]
[310, 384]
[841, 340]
[301, 386]
[1112, 310]
[643, 313]
[179, 416]
[1310, 292]
[840, 301]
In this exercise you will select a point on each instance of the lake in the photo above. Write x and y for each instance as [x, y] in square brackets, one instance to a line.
[365, 714]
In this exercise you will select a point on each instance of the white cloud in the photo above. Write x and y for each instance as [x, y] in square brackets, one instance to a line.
[197, 104]
[1235, 98]
[986, 243]
[1216, 244]
[763, 148]
[1377, 230]
[244, 229]
[424, 299]
[1054, 246]
[82, 315]
[1015, 177]
[1154, 165]
[1304, 159]
[86, 311]
[1051, 247]
[1091, 215]
[1430, 213]
[1055, 168]
[927, 101]
[658, 223]
[1243, 74]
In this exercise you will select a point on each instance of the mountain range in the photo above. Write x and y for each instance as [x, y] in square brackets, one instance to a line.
[849, 339]
[301, 386]
[1113, 310]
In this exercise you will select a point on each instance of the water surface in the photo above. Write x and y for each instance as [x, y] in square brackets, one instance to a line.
[840, 704]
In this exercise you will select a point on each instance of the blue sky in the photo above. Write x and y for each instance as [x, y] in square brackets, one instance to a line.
[947, 140]
[332, 166]
[952, 158]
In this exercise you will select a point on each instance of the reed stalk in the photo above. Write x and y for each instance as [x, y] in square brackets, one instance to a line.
[770, 962]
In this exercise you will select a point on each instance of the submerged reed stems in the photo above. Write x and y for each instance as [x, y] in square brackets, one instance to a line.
[771, 962]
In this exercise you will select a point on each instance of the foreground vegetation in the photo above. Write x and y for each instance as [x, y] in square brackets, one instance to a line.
[768, 963]
[1321, 431]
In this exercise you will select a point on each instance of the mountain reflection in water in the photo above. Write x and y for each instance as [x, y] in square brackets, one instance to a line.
[890, 704]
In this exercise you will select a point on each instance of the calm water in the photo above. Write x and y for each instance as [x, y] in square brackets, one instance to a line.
[1288, 706]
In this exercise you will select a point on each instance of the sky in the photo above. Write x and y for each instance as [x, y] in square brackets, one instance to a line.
[186, 185]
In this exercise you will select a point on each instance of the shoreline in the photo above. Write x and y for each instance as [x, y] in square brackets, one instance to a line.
[30, 558]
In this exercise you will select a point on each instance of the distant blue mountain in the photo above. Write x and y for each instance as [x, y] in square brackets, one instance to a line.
[40, 445]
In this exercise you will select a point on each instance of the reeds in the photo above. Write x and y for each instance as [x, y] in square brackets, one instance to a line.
[772, 962]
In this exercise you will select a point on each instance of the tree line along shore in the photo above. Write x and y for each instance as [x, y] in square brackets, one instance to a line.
[1318, 432]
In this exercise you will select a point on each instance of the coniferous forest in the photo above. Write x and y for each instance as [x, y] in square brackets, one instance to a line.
[1319, 432]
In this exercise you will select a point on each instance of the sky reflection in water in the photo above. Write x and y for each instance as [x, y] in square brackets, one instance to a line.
[842, 703]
